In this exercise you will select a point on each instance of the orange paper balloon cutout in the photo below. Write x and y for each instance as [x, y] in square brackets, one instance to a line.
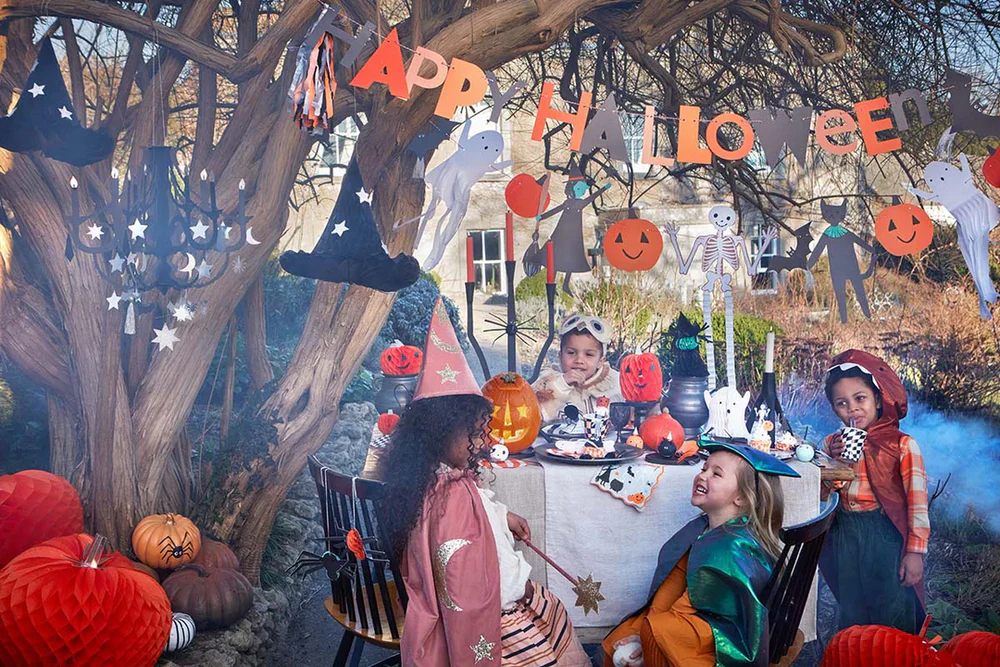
[882, 646]
[35, 506]
[523, 194]
[60, 605]
[904, 229]
[974, 649]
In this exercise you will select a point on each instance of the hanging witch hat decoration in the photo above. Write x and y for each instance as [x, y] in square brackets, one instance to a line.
[350, 249]
[445, 371]
[45, 120]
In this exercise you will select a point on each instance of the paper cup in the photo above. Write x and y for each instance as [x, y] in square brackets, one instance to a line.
[596, 427]
[854, 443]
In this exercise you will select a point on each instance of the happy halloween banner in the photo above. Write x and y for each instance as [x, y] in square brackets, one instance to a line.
[464, 84]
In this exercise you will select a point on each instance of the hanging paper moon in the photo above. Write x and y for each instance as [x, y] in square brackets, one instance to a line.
[904, 229]
[250, 239]
[181, 632]
[444, 554]
[189, 268]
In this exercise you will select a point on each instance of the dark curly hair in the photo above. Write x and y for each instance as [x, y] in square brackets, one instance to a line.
[418, 445]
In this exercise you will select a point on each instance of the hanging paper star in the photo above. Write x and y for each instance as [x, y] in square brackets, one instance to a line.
[225, 231]
[364, 196]
[37, 90]
[339, 228]
[199, 230]
[204, 269]
[588, 594]
[165, 338]
[483, 649]
[95, 232]
[113, 301]
[117, 263]
[65, 113]
[181, 310]
[448, 374]
[138, 229]
[238, 266]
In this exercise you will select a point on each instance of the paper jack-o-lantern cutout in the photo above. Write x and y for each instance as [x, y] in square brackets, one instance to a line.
[904, 229]
[640, 377]
[516, 415]
[633, 244]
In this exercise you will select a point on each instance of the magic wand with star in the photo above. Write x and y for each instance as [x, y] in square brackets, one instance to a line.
[588, 591]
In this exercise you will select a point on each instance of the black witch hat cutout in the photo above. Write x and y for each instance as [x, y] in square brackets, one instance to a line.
[45, 120]
[350, 249]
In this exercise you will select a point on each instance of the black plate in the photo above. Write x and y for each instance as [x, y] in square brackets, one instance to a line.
[627, 454]
[548, 432]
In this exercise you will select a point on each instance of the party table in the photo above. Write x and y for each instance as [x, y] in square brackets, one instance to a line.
[586, 530]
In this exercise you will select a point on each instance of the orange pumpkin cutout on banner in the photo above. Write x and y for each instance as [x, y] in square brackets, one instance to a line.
[633, 244]
[882, 646]
[68, 602]
[166, 541]
[904, 229]
[974, 649]
[517, 416]
[640, 377]
[522, 195]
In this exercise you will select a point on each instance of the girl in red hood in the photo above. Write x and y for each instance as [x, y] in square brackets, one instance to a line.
[873, 558]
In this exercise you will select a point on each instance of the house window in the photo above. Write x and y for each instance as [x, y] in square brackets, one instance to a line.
[632, 127]
[337, 152]
[766, 281]
[487, 260]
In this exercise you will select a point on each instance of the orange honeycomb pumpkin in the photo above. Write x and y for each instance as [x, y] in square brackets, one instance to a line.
[640, 377]
[399, 359]
[974, 649]
[517, 417]
[882, 646]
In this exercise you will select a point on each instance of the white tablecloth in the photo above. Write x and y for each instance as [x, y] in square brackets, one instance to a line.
[586, 530]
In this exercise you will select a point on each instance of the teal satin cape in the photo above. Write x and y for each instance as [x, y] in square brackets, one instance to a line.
[728, 571]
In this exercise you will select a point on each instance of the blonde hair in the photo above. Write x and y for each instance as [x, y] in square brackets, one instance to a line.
[765, 506]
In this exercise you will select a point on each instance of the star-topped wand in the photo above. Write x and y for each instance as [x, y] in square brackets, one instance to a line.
[588, 591]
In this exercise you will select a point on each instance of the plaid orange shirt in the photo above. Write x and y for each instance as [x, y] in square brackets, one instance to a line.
[858, 496]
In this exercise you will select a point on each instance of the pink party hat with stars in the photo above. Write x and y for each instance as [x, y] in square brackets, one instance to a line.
[445, 371]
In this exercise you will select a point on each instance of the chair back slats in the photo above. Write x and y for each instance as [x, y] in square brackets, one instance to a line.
[791, 580]
[393, 565]
[365, 589]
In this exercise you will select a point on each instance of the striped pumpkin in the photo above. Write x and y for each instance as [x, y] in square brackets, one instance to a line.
[181, 632]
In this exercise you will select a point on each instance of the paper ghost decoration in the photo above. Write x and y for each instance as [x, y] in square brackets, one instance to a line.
[839, 243]
[976, 215]
[428, 139]
[45, 120]
[350, 249]
[964, 115]
[631, 483]
[451, 182]
[727, 410]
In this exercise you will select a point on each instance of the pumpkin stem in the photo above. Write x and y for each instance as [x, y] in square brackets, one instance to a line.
[509, 377]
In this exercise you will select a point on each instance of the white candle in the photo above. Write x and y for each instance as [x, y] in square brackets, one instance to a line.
[769, 356]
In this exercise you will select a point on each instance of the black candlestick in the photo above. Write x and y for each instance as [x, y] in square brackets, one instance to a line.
[550, 297]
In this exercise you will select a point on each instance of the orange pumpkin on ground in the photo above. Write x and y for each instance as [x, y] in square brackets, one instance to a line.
[35, 506]
[517, 417]
[68, 602]
[399, 359]
[658, 428]
[974, 649]
[640, 377]
[216, 554]
[633, 244]
[166, 541]
[904, 229]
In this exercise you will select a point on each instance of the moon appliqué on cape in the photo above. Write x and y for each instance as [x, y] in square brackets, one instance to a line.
[442, 555]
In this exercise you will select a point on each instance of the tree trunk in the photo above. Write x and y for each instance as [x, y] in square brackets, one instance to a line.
[255, 334]
[229, 386]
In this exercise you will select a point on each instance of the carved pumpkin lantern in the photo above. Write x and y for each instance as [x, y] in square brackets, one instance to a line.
[36, 506]
[216, 554]
[213, 597]
[974, 649]
[166, 541]
[904, 229]
[523, 194]
[517, 417]
[67, 602]
[661, 428]
[399, 359]
[633, 244]
[640, 377]
[882, 646]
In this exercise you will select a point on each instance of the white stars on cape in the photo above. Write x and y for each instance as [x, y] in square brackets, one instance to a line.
[166, 337]
[37, 90]
[65, 113]
[339, 228]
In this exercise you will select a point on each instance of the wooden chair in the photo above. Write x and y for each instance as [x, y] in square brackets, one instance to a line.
[791, 581]
[367, 598]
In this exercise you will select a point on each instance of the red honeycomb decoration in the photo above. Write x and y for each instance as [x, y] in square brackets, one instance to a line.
[36, 506]
[974, 649]
[64, 602]
[882, 646]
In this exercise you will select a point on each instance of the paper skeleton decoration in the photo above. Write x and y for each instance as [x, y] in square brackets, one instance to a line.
[45, 120]
[727, 410]
[451, 182]
[720, 249]
[630, 483]
[839, 244]
[976, 215]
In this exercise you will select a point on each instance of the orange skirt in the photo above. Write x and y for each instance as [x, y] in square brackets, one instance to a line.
[670, 630]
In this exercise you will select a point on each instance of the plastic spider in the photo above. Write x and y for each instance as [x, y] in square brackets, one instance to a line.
[336, 560]
[173, 550]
